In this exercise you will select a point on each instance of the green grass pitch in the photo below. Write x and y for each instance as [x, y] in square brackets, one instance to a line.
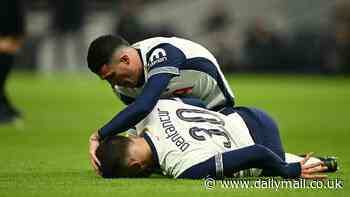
[47, 153]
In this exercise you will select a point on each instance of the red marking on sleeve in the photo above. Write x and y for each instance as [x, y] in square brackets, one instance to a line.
[183, 91]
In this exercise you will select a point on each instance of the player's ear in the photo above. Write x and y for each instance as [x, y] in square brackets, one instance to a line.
[125, 59]
[133, 163]
[135, 166]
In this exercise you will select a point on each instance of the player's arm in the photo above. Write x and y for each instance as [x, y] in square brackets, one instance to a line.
[255, 156]
[258, 156]
[140, 108]
[164, 62]
[131, 115]
[125, 99]
[187, 100]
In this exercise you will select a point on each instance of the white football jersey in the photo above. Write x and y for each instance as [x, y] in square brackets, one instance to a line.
[197, 73]
[183, 135]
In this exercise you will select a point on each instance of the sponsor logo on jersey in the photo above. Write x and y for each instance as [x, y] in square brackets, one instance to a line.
[157, 56]
[171, 132]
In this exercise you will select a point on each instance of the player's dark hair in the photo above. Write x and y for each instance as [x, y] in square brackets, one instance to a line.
[101, 50]
[112, 153]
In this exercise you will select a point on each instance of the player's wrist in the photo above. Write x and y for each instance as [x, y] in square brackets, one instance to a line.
[294, 170]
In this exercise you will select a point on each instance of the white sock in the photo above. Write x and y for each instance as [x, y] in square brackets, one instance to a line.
[291, 158]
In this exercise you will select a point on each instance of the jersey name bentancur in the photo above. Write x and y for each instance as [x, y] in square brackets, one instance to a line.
[197, 73]
[183, 135]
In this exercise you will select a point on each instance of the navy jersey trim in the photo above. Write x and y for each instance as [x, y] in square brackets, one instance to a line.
[140, 55]
[201, 170]
[153, 149]
[204, 65]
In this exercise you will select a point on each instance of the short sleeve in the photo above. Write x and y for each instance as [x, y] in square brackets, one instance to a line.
[164, 58]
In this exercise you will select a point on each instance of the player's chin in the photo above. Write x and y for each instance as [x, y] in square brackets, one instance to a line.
[130, 84]
[126, 84]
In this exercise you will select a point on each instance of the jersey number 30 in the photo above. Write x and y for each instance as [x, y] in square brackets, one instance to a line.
[198, 133]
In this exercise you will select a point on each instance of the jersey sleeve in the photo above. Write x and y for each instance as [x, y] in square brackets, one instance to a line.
[138, 109]
[164, 58]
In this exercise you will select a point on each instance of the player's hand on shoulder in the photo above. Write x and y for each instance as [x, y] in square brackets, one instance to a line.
[94, 142]
[310, 171]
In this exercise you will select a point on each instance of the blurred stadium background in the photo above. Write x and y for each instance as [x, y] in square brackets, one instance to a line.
[270, 35]
[290, 58]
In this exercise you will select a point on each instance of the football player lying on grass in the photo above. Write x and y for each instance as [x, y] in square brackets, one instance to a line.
[185, 141]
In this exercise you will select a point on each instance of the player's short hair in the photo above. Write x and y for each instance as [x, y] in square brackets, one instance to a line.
[101, 50]
[113, 155]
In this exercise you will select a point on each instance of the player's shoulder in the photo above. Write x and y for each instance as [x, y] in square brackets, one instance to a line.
[171, 45]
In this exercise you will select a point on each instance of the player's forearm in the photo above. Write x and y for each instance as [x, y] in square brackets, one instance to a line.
[122, 121]
[258, 156]
[255, 156]
[139, 109]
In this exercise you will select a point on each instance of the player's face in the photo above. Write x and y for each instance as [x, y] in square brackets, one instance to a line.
[125, 69]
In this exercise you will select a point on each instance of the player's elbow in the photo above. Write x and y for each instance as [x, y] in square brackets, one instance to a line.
[262, 151]
[276, 165]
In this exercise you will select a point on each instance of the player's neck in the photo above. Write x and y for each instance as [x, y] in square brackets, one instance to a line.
[140, 68]
[141, 80]
[148, 152]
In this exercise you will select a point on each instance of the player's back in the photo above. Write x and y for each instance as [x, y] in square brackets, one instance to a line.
[197, 73]
[189, 48]
[184, 135]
